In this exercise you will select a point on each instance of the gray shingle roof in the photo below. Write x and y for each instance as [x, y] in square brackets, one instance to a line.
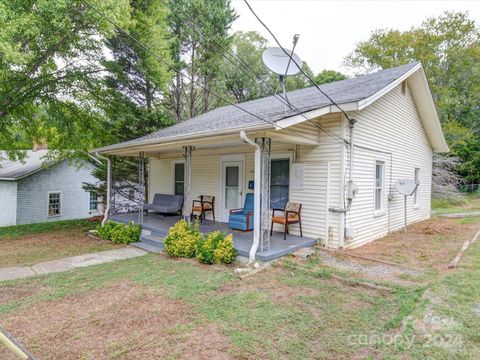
[12, 170]
[229, 117]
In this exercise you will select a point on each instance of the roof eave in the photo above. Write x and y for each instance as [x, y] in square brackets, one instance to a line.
[170, 139]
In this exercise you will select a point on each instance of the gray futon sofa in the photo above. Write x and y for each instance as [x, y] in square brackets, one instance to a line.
[165, 204]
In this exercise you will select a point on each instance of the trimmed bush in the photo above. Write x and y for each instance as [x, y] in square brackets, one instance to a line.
[225, 253]
[120, 233]
[183, 240]
[217, 248]
[105, 232]
[205, 253]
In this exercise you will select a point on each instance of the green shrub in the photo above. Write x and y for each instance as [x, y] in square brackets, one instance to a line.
[205, 253]
[225, 253]
[120, 233]
[105, 232]
[217, 248]
[183, 240]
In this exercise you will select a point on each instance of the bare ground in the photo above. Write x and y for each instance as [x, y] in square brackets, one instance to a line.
[123, 321]
[429, 244]
[31, 249]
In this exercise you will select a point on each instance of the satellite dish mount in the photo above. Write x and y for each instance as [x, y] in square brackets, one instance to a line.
[280, 63]
[406, 187]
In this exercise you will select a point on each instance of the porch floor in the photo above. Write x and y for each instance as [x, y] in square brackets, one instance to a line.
[158, 225]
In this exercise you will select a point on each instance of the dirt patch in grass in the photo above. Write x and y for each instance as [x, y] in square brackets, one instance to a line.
[429, 244]
[10, 293]
[124, 321]
[31, 249]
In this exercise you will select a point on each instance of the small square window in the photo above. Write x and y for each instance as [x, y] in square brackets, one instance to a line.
[54, 204]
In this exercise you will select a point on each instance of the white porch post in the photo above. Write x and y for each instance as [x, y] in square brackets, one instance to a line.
[265, 193]
[261, 208]
[187, 201]
[141, 186]
[108, 186]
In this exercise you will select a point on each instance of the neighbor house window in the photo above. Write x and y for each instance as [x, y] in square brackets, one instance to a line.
[416, 197]
[93, 204]
[54, 204]
[379, 185]
[131, 194]
[179, 178]
[279, 183]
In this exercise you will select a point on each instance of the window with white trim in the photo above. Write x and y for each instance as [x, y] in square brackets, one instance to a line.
[379, 185]
[416, 197]
[93, 201]
[54, 204]
[179, 178]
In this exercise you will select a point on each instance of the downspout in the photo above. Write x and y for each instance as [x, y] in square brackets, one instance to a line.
[109, 180]
[256, 205]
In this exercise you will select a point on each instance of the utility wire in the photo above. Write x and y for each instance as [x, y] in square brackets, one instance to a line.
[191, 23]
[159, 58]
[295, 62]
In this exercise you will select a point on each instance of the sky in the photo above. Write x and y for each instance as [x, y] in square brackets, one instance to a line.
[329, 30]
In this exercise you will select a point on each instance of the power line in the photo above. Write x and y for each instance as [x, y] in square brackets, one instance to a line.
[159, 58]
[278, 97]
[295, 62]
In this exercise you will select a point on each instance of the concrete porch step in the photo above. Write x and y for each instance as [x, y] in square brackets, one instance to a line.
[148, 247]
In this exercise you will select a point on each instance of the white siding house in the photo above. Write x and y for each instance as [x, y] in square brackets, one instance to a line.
[32, 193]
[395, 131]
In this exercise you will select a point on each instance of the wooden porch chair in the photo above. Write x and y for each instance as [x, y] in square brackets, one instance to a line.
[291, 215]
[202, 206]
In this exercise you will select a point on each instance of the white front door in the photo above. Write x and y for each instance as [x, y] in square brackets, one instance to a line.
[232, 187]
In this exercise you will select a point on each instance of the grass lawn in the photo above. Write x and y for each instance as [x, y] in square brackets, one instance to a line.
[25, 245]
[465, 203]
[156, 307]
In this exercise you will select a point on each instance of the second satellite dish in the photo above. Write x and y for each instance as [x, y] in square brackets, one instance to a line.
[277, 61]
[406, 187]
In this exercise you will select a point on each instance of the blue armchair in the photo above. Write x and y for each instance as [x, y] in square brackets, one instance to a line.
[242, 219]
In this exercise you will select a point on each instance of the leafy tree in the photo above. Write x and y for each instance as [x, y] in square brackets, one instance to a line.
[328, 76]
[50, 71]
[199, 30]
[247, 83]
[449, 48]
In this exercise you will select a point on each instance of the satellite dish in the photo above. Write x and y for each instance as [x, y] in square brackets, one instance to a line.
[406, 187]
[277, 61]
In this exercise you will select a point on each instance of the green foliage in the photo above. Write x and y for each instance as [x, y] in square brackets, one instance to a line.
[120, 233]
[225, 253]
[183, 240]
[328, 76]
[449, 48]
[50, 71]
[217, 248]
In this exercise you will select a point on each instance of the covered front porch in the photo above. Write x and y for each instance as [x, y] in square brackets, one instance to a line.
[158, 225]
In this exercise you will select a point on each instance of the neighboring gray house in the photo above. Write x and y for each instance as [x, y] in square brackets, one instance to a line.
[32, 193]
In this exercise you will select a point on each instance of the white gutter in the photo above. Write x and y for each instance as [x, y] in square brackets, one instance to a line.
[109, 180]
[256, 204]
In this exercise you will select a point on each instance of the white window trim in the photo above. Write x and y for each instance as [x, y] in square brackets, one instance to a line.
[382, 211]
[285, 156]
[172, 180]
[94, 211]
[48, 204]
[416, 195]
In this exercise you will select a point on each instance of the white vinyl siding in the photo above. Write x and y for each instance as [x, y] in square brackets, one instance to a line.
[393, 132]
[8, 203]
[321, 176]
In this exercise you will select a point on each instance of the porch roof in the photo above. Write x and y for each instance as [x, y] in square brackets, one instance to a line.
[353, 94]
